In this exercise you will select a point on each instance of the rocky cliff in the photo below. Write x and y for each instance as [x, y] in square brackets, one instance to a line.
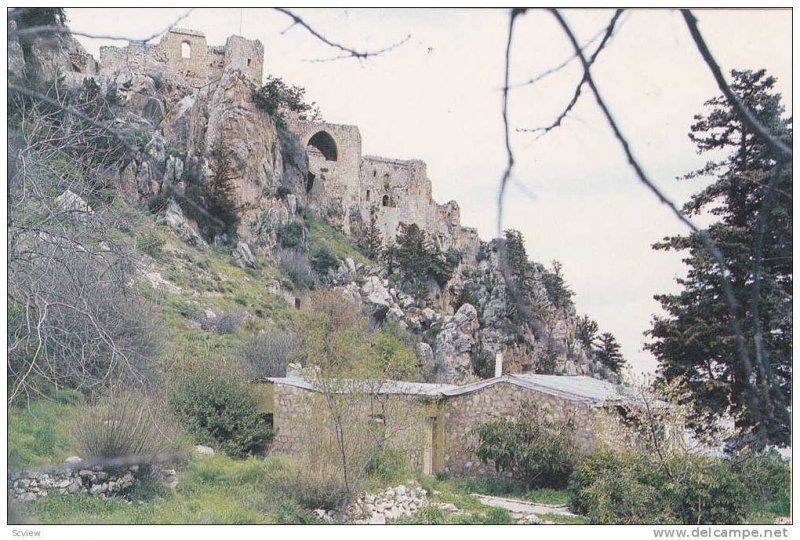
[460, 324]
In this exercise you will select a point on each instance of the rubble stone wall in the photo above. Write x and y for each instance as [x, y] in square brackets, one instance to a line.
[463, 413]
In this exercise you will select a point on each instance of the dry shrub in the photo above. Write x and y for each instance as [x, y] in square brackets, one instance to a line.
[128, 424]
[268, 353]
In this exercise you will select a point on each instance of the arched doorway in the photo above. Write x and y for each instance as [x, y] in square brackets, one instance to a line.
[322, 142]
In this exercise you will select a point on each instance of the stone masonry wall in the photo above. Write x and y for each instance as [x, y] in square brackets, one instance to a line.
[467, 411]
[300, 417]
[204, 63]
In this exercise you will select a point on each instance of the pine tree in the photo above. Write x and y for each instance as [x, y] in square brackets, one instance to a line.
[695, 344]
[373, 239]
[607, 352]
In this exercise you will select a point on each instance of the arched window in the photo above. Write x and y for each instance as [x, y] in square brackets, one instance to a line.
[186, 50]
[323, 143]
[385, 200]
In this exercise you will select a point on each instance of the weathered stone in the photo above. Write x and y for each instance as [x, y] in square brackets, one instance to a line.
[243, 256]
[205, 450]
[172, 216]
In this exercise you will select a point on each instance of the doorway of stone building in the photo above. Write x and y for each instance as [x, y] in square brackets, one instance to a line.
[427, 456]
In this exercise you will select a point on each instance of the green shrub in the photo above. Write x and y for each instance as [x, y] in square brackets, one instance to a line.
[217, 408]
[536, 449]
[631, 488]
[126, 424]
[768, 478]
[389, 465]
[291, 235]
[323, 260]
[620, 488]
[710, 493]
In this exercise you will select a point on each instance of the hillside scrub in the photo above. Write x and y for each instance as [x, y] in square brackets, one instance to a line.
[217, 407]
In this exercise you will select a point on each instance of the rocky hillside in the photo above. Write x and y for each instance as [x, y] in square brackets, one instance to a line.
[468, 308]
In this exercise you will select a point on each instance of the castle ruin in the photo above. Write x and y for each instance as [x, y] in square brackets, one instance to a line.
[184, 58]
[339, 175]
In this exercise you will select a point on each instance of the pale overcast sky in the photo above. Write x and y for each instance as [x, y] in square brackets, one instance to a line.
[437, 98]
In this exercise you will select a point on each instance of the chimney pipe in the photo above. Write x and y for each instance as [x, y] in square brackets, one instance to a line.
[498, 364]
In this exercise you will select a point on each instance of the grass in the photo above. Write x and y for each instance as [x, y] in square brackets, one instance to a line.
[564, 519]
[322, 235]
[38, 433]
[502, 487]
[212, 490]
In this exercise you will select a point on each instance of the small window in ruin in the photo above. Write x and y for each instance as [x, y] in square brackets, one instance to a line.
[374, 173]
[296, 303]
[248, 62]
[310, 181]
[385, 200]
[186, 50]
[368, 195]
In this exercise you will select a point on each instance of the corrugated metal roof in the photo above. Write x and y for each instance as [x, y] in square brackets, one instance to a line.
[379, 387]
[571, 387]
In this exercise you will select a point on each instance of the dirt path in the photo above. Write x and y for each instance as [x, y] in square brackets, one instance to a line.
[522, 507]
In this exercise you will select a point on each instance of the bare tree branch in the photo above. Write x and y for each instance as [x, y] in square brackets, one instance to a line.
[348, 52]
[709, 246]
[53, 29]
[609, 30]
[80, 114]
[562, 65]
[777, 146]
[509, 153]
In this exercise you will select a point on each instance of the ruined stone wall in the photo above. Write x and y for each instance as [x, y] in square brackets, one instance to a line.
[202, 65]
[465, 412]
[246, 55]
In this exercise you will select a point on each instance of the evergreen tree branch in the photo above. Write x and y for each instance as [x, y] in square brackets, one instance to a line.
[777, 146]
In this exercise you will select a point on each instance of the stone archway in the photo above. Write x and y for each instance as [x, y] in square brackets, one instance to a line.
[322, 142]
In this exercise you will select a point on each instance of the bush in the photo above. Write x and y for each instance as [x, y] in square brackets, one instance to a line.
[216, 406]
[267, 353]
[630, 488]
[389, 465]
[620, 488]
[313, 485]
[224, 323]
[710, 493]
[291, 235]
[536, 450]
[323, 260]
[297, 268]
[126, 424]
[768, 479]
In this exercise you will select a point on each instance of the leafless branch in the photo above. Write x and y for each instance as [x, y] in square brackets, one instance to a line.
[509, 153]
[609, 30]
[53, 29]
[80, 114]
[562, 65]
[347, 52]
[709, 246]
[777, 146]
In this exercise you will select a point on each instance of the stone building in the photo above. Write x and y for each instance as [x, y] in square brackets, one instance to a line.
[435, 419]
[352, 186]
[183, 57]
